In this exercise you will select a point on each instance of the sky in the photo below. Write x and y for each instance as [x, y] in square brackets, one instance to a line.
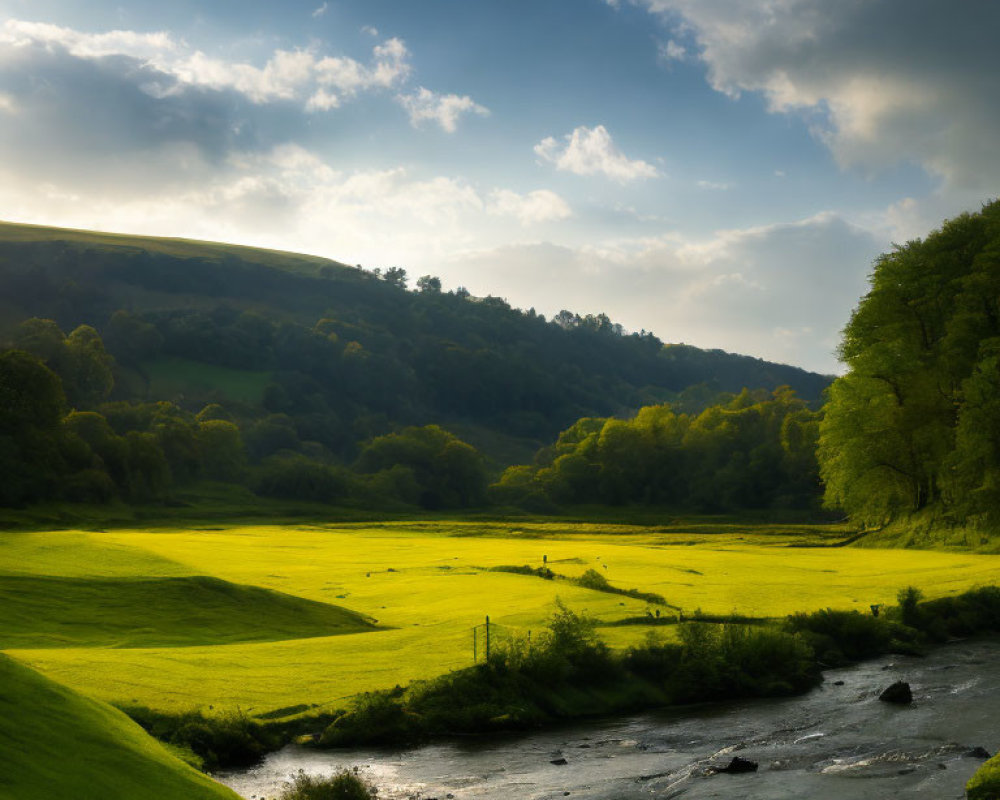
[719, 172]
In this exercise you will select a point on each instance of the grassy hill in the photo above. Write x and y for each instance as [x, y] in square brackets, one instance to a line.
[55, 611]
[59, 745]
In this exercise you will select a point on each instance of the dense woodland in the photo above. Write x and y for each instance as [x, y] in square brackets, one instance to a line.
[136, 366]
[914, 426]
[420, 398]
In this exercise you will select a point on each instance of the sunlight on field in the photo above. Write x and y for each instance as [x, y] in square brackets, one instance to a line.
[429, 582]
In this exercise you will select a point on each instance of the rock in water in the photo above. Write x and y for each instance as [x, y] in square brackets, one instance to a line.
[977, 752]
[738, 766]
[898, 693]
[559, 762]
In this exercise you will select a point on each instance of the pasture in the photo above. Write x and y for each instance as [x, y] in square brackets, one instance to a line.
[277, 620]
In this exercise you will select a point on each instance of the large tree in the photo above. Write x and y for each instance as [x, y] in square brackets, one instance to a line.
[911, 424]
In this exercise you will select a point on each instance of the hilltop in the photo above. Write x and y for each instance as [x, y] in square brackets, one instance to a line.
[348, 353]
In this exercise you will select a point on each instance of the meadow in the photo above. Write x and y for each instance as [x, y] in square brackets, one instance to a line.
[280, 620]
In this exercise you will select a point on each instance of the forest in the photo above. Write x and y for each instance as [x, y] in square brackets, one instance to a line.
[438, 400]
[136, 366]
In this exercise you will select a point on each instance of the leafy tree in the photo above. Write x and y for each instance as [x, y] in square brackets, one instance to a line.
[429, 284]
[911, 425]
[223, 455]
[395, 276]
[449, 472]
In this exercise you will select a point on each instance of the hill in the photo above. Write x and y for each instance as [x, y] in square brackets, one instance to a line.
[56, 611]
[349, 353]
[60, 745]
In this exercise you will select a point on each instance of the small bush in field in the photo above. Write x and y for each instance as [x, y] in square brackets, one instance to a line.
[345, 785]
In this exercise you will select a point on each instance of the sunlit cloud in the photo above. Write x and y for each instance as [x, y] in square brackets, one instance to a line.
[445, 110]
[591, 151]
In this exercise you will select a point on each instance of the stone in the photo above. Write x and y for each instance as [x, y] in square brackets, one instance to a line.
[738, 766]
[899, 693]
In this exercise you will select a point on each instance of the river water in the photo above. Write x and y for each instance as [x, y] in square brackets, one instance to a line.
[838, 742]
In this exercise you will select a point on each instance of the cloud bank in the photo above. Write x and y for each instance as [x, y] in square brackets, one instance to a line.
[880, 81]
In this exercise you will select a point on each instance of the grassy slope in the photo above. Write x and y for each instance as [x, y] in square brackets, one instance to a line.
[427, 579]
[58, 745]
[985, 784]
[182, 248]
[44, 611]
[170, 377]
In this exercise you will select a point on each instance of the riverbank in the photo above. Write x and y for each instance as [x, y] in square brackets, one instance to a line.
[569, 674]
[836, 741]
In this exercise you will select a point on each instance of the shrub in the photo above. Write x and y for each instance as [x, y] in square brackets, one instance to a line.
[376, 718]
[228, 740]
[842, 636]
[345, 785]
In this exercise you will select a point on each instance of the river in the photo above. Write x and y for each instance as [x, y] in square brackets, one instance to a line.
[838, 742]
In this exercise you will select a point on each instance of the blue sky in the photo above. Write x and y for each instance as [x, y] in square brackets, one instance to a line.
[721, 172]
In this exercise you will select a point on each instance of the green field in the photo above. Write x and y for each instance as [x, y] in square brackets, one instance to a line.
[223, 644]
[59, 745]
[172, 377]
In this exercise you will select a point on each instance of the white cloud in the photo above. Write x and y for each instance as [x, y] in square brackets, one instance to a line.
[882, 81]
[672, 51]
[88, 45]
[425, 105]
[591, 151]
[322, 100]
[717, 186]
[540, 205]
[319, 12]
[371, 30]
[319, 82]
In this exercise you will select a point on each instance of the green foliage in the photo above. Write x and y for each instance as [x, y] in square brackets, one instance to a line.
[840, 637]
[757, 450]
[344, 785]
[227, 740]
[339, 338]
[913, 423]
[909, 606]
[985, 784]
[295, 477]
[449, 472]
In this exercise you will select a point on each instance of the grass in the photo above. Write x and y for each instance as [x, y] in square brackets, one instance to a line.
[429, 581]
[173, 377]
[46, 611]
[181, 248]
[59, 745]
[985, 784]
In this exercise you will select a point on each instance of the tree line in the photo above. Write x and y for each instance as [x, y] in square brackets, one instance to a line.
[64, 437]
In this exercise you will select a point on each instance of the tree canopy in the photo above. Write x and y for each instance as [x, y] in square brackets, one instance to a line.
[915, 422]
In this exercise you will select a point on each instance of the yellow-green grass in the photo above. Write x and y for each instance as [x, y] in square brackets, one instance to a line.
[58, 745]
[47, 611]
[430, 582]
[171, 376]
[985, 784]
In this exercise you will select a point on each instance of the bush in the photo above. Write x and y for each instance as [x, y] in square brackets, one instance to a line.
[376, 718]
[228, 740]
[839, 637]
[345, 785]
[721, 662]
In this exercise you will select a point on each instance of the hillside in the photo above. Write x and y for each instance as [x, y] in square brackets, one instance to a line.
[58, 745]
[351, 350]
